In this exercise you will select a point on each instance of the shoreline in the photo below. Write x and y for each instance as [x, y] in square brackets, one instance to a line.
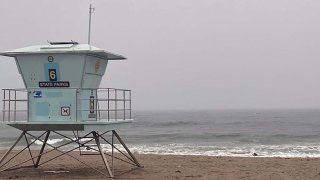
[171, 167]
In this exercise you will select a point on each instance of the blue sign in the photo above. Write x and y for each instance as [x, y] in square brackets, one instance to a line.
[37, 94]
[52, 72]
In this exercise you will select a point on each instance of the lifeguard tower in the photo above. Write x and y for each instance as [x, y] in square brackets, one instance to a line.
[62, 94]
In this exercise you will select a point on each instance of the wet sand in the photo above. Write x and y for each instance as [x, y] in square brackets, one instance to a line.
[172, 167]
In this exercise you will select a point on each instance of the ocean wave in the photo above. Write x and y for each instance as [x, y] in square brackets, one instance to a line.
[50, 141]
[60, 140]
[232, 150]
[173, 124]
[311, 150]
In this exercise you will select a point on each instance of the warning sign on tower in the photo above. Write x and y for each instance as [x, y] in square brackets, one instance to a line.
[65, 111]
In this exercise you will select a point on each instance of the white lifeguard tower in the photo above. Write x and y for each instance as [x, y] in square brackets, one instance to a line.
[62, 94]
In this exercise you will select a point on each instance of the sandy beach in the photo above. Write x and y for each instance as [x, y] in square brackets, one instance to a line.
[174, 167]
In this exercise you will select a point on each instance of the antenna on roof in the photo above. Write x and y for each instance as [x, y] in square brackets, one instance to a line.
[91, 10]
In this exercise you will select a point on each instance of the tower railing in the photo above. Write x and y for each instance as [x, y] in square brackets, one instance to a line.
[15, 105]
[111, 104]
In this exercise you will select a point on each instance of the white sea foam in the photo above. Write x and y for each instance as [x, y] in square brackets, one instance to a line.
[86, 139]
[285, 150]
[245, 151]
[50, 141]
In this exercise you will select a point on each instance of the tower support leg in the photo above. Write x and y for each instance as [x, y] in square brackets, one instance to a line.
[8, 152]
[96, 148]
[42, 149]
[96, 137]
[126, 148]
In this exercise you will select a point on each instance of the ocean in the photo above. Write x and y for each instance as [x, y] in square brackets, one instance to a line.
[268, 133]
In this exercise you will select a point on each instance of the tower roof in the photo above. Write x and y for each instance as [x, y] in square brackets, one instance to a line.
[63, 48]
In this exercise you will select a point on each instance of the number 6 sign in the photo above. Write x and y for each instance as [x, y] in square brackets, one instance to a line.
[52, 75]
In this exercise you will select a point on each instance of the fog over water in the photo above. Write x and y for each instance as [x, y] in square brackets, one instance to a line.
[184, 54]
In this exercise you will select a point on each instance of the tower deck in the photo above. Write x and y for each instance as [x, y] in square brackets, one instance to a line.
[85, 126]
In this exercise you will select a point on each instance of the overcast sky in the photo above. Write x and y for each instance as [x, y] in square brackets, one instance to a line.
[184, 54]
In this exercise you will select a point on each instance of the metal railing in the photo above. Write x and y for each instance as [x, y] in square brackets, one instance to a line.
[110, 105]
[15, 105]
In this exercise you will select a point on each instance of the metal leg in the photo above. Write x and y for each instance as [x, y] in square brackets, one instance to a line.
[42, 148]
[17, 154]
[133, 163]
[102, 153]
[28, 146]
[98, 149]
[112, 154]
[8, 152]
[76, 136]
[127, 149]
